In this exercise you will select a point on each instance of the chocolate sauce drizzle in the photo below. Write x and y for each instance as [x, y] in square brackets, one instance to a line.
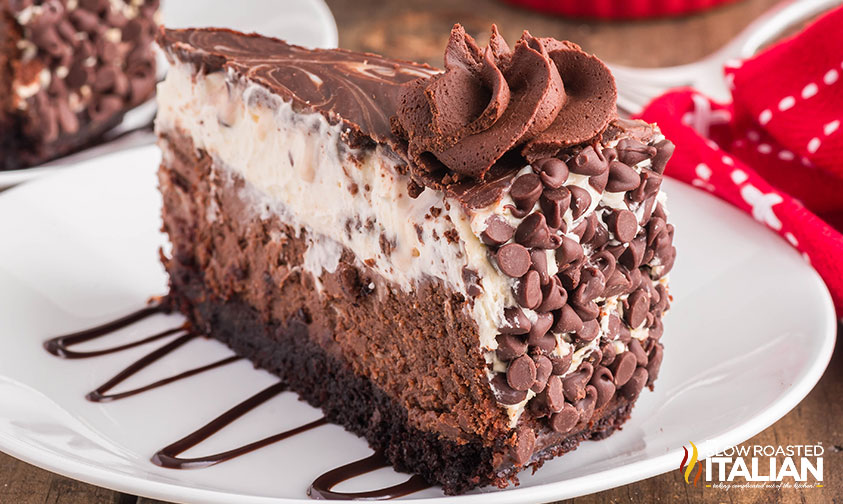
[168, 456]
[321, 487]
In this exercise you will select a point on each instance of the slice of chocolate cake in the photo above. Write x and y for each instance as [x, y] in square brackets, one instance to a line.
[468, 268]
[69, 70]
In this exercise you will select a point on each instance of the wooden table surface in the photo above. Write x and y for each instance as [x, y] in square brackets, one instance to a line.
[418, 30]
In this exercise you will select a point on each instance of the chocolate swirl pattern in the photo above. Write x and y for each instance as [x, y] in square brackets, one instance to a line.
[362, 90]
[535, 99]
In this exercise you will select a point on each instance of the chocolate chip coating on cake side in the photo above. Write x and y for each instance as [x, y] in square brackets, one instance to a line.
[588, 269]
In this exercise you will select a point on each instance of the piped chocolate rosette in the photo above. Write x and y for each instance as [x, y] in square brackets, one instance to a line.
[566, 198]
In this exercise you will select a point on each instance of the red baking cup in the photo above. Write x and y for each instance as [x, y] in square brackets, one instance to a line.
[618, 9]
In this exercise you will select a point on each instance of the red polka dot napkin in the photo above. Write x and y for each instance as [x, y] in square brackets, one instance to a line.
[776, 151]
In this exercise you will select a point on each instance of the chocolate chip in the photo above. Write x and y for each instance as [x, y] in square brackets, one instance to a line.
[132, 31]
[634, 253]
[68, 121]
[599, 182]
[104, 107]
[516, 321]
[554, 203]
[605, 262]
[506, 394]
[551, 399]
[526, 190]
[591, 286]
[587, 228]
[648, 186]
[635, 384]
[521, 373]
[538, 258]
[540, 327]
[655, 227]
[510, 346]
[588, 162]
[568, 320]
[631, 151]
[568, 252]
[622, 178]
[637, 350]
[529, 292]
[570, 276]
[636, 308]
[623, 225]
[561, 364]
[533, 232]
[580, 201]
[656, 330]
[616, 284]
[624, 336]
[525, 443]
[610, 154]
[589, 331]
[603, 382]
[565, 420]
[595, 357]
[664, 151]
[513, 260]
[48, 40]
[664, 298]
[544, 369]
[554, 296]
[588, 311]
[552, 171]
[654, 363]
[141, 81]
[574, 384]
[497, 231]
[587, 404]
[84, 21]
[547, 343]
[608, 349]
[622, 368]
[600, 238]
[78, 75]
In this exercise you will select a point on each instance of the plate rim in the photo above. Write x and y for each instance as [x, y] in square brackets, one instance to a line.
[609, 478]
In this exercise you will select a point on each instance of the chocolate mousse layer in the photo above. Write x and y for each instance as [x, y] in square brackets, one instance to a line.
[70, 70]
[468, 267]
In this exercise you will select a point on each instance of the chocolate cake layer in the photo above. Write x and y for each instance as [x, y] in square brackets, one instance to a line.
[71, 69]
[491, 264]
[364, 372]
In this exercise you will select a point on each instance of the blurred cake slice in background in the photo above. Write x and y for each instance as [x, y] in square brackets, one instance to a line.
[69, 70]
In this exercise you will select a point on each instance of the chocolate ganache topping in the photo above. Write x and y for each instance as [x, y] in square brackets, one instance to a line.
[532, 100]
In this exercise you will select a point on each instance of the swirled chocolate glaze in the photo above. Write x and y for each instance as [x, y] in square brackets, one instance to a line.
[535, 99]
[362, 90]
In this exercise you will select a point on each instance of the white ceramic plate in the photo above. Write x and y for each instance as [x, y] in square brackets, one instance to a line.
[750, 333]
[304, 22]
